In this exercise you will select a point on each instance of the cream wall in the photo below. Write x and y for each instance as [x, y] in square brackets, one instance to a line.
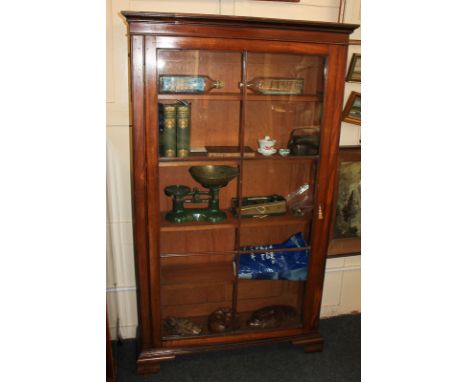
[342, 280]
[351, 134]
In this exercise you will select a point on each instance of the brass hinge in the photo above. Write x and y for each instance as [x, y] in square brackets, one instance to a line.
[320, 212]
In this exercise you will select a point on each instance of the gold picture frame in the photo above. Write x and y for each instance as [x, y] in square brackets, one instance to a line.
[352, 110]
[345, 237]
[354, 70]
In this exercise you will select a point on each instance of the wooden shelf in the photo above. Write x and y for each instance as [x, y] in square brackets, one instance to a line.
[232, 222]
[284, 98]
[281, 158]
[167, 226]
[209, 96]
[197, 159]
[289, 218]
[238, 97]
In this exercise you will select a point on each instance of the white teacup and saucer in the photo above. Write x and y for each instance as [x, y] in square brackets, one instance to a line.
[266, 146]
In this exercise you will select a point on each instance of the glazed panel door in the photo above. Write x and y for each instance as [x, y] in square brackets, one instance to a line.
[269, 98]
[283, 95]
[199, 103]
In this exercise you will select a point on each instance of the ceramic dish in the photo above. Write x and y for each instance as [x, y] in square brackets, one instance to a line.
[267, 153]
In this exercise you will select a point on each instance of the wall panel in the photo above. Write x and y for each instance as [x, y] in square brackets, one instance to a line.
[183, 6]
[317, 10]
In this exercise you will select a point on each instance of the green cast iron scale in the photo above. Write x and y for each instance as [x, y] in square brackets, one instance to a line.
[211, 177]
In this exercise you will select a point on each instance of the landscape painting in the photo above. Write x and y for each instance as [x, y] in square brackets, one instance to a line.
[352, 110]
[348, 209]
[354, 72]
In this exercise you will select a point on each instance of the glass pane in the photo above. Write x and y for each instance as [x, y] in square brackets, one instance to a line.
[197, 232]
[197, 270]
[193, 291]
[270, 305]
[199, 101]
[284, 103]
[271, 275]
[221, 66]
[282, 111]
[292, 181]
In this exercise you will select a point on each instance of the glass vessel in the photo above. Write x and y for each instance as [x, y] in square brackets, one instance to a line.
[186, 84]
[276, 85]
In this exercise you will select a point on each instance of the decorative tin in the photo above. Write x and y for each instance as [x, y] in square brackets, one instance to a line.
[304, 141]
[260, 206]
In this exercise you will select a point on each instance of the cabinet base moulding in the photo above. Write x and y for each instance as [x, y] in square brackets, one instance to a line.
[149, 360]
[310, 345]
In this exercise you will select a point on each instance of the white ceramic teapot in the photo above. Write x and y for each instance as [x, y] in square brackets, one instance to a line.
[266, 146]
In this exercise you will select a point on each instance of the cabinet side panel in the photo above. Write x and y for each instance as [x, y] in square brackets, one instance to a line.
[139, 187]
[325, 182]
[152, 173]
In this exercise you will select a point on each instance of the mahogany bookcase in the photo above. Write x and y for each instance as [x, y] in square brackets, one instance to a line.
[186, 270]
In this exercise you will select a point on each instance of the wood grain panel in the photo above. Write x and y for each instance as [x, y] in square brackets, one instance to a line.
[256, 294]
[192, 294]
[326, 179]
[139, 188]
[241, 30]
[152, 174]
[252, 289]
[279, 177]
[183, 42]
[228, 341]
[193, 310]
[184, 20]
[270, 234]
[212, 122]
[195, 289]
[215, 240]
[277, 119]
[174, 272]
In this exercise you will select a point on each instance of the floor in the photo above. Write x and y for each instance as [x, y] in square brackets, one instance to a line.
[339, 361]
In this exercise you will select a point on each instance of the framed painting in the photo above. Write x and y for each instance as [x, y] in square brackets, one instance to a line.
[352, 110]
[354, 71]
[346, 233]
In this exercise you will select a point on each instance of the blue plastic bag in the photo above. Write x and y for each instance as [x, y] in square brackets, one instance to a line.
[267, 265]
